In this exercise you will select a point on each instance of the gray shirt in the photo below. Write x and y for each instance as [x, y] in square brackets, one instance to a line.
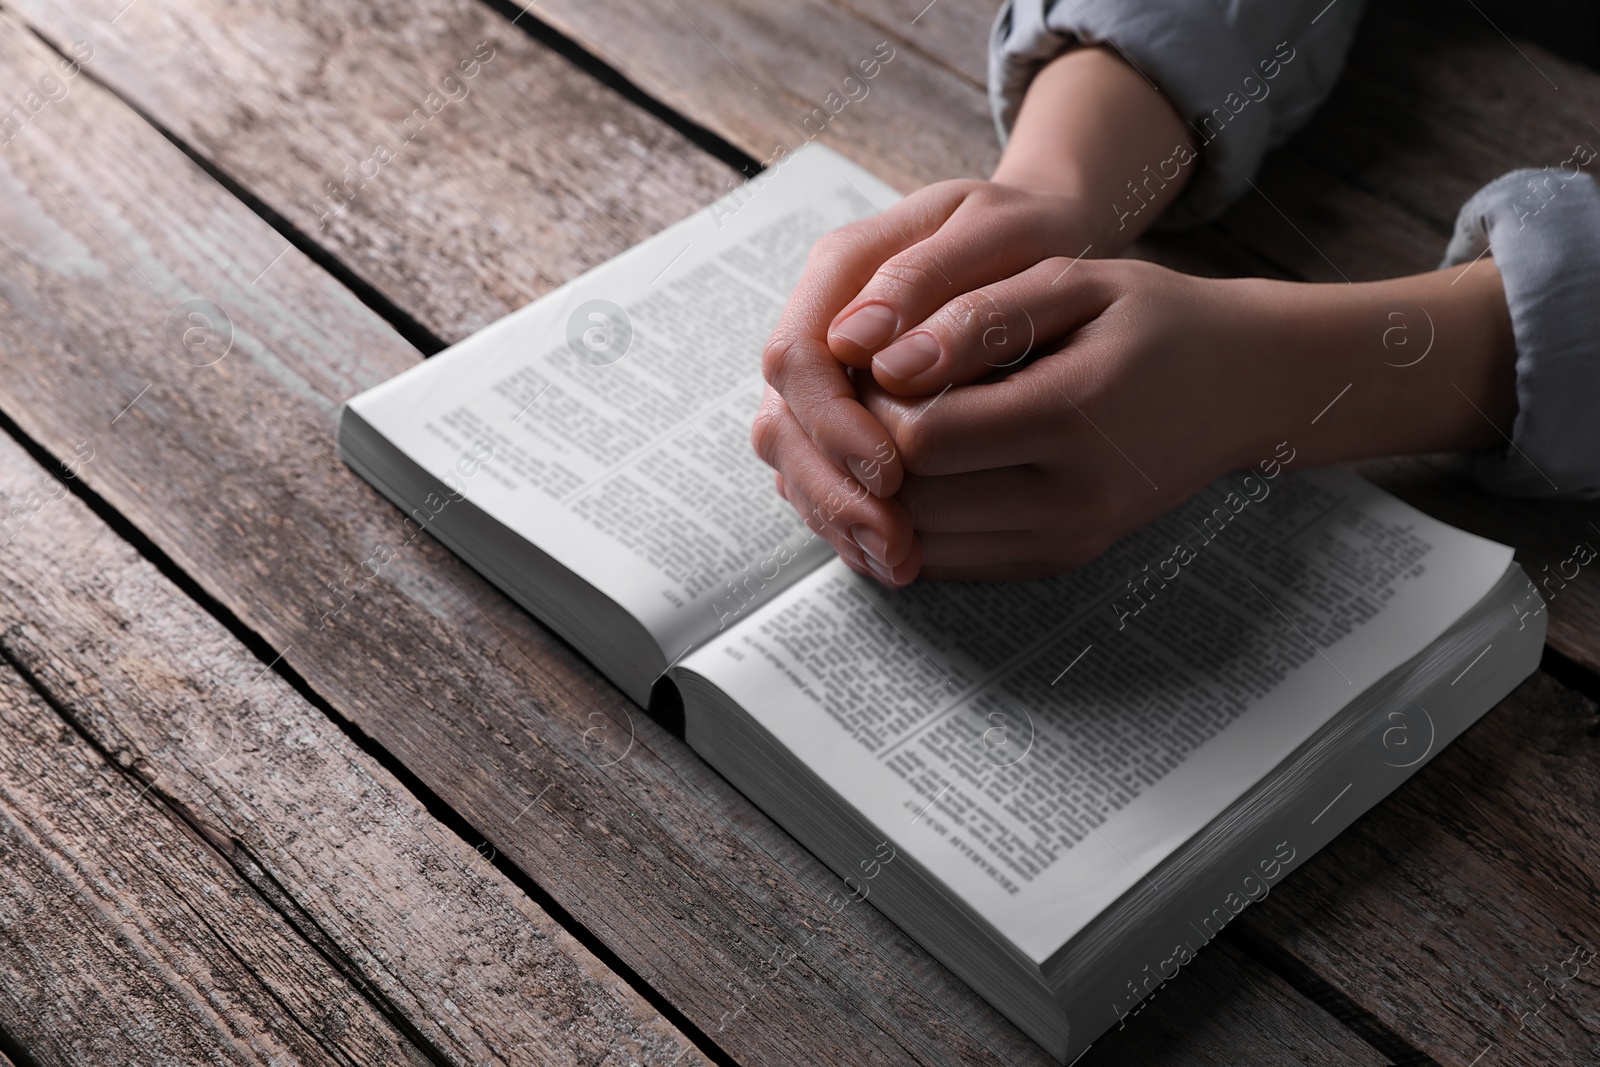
[1245, 75]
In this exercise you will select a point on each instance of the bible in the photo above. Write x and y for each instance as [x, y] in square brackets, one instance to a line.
[1062, 788]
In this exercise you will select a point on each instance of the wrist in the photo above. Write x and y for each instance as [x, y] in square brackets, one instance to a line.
[1089, 131]
[1033, 167]
[1424, 363]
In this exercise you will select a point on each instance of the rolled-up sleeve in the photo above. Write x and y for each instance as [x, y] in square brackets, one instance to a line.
[1243, 74]
[1543, 229]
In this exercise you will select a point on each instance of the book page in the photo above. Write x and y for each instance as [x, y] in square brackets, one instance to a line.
[609, 421]
[1039, 746]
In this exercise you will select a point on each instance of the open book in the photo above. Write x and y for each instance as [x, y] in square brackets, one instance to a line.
[1062, 788]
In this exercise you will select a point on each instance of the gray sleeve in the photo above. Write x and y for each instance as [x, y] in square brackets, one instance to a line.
[1244, 74]
[1543, 228]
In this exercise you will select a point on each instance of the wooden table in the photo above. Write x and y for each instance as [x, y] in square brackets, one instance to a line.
[258, 806]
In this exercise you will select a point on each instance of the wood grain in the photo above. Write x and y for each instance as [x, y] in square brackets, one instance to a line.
[927, 117]
[1229, 1011]
[760, 75]
[1436, 102]
[323, 875]
[954, 34]
[229, 470]
[125, 937]
[1441, 913]
[507, 182]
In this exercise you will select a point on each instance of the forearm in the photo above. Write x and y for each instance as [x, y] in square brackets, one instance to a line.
[1094, 130]
[1424, 363]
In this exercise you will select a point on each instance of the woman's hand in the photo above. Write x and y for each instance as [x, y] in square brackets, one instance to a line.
[864, 285]
[1144, 384]
[948, 239]
[1089, 125]
[1141, 386]
[1127, 387]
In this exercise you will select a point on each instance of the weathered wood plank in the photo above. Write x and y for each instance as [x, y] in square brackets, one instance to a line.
[406, 919]
[115, 661]
[1319, 243]
[762, 75]
[1441, 913]
[125, 937]
[926, 116]
[669, 866]
[1436, 102]
[1230, 1007]
[954, 34]
[506, 182]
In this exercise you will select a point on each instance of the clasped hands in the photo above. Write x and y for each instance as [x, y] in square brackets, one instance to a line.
[953, 395]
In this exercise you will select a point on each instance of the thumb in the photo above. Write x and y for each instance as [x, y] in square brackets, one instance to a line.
[995, 329]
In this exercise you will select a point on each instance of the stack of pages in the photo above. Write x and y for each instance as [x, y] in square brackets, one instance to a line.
[1062, 788]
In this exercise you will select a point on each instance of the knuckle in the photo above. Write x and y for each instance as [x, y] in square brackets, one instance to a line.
[1059, 266]
[937, 201]
[974, 190]
[957, 187]
[907, 272]
[835, 244]
[824, 247]
[925, 512]
[764, 433]
[979, 321]
[968, 313]
[1113, 276]
[984, 191]
[777, 358]
[805, 509]
[842, 506]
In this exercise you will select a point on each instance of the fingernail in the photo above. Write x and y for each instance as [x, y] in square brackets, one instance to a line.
[870, 541]
[909, 356]
[869, 472]
[882, 570]
[869, 327]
